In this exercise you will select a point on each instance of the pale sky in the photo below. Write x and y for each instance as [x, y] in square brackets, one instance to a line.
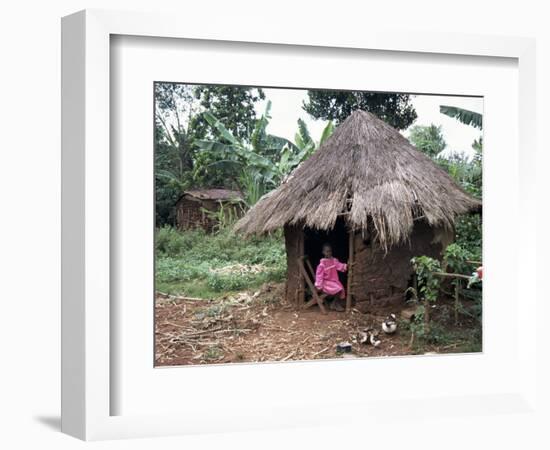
[286, 109]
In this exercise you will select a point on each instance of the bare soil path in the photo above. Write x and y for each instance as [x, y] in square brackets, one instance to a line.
[259, 326]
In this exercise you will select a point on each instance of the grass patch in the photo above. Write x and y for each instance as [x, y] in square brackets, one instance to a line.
[444, 336]
[444, 340]
[212, 353]
[189, 262]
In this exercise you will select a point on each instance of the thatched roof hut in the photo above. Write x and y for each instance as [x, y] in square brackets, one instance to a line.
[200, 208]
[366, 169]
[367, 178]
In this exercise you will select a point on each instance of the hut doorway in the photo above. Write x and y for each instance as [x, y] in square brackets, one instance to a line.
[338, 238]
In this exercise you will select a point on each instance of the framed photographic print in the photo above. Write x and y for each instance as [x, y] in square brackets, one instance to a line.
[262, 232]
[279, 246]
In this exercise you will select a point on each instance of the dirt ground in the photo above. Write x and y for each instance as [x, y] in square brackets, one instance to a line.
[258, 326]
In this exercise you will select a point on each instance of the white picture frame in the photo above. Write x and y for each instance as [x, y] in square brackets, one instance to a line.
[88, 386]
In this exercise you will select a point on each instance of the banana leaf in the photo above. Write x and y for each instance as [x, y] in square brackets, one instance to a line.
[465, 116]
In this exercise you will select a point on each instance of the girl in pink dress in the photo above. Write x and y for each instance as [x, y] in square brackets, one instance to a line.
[326, 275]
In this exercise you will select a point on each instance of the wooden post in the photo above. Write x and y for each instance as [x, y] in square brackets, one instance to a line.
[457, 300]
[310, 268]
[318, 299]
[457, 277]
[350, 267]
[427, 311]
[301, 297]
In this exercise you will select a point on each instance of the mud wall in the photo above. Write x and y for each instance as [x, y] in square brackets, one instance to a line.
[294, 243]
[190, 213]
[380, 278]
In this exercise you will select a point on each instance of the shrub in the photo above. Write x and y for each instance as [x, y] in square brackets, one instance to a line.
[186, 261]
[428, 284]
[468, 234]
[171, 242]
[221, 283]
[456, 256]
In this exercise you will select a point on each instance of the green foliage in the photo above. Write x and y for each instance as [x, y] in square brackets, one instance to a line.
[292, 155]
[467, 172]
[166, 196]
[468, 234]
[455, 257]
[221, 283]
[173, 134]
[474, 309]
[233, 282]
[179, 124]
[260, 165]
[465, 116]
[305, 143]
[252, 187]
[171, 242]
[213, 352]
[418, 325]
[468, 244]
[225, 215]
[426, 292]
[428, 284]
[336, 106]
[240, 160]
[428, 139]
[224, 157]
[173, 147]
[302, 138]
[439, 334]
[327, 132]
[189, 262]
[233, 105]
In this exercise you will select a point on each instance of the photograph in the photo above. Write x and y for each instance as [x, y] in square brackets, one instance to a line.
[236, 206]
[297, 224]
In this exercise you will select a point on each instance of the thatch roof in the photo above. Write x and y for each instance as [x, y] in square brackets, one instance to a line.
[215, 194]
[366, 171]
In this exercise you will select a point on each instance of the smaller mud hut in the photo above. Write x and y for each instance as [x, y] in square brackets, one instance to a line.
[377, 199]
[205, 208]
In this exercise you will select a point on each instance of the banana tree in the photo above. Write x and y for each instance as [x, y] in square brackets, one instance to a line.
[238, 155]
[261, 163]
[303, 147]
[465, 116]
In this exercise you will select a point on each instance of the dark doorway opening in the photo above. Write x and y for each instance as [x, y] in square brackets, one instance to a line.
[338, 238]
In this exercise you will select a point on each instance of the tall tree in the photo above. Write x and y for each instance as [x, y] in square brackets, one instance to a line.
[469, 173]
[395, 109]
[428, 139]
[174, 109]
[174, 146]
[232, 105]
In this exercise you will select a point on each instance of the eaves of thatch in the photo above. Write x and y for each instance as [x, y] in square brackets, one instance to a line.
[365, 172]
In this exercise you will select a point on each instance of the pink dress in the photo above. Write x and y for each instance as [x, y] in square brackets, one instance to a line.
[326, 276]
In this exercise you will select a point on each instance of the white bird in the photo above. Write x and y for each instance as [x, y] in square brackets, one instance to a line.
[368, 336]
[373, 340]
[390, 324]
